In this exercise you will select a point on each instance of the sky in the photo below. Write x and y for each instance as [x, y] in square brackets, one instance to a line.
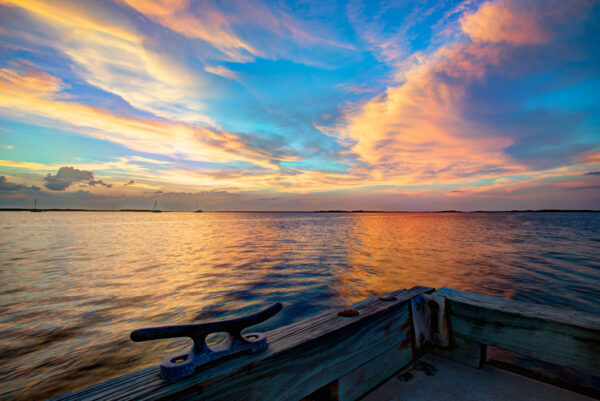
[300, 105]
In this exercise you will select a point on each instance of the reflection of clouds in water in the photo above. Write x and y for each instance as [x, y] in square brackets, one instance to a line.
[78, 283]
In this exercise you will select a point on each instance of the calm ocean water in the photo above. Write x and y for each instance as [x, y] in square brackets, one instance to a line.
[74, 284]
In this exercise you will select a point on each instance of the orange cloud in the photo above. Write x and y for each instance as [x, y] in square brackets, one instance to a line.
[296, 181]
[26, 165]
[149, 80]
[169, 138]
[119, 60]
[417, 132]
[31, 81]
[220, 70]
[504, 22]
[591, 158]
[281, 23]
[523, 22]
[205, 23]
[75, 15]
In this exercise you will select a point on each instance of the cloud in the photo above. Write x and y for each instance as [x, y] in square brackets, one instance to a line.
[589, 158]
[25, 165]
[202, 21]
[66, 176]
[93, 183]
[107, 51]
[150, 80]
[504, 21]
[165, 137]
[144, 160]
[357, 88]
[221, 71]
[453, 116]
[387, 42]
[584, 187]
[244, 31]
[29, 79]
[438, 121]
[11, 186]
[75, 16]
[592, 173]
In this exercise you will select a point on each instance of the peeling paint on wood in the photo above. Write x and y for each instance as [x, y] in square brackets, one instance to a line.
[429, 320]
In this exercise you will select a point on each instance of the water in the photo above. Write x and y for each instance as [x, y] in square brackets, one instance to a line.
[74, 284]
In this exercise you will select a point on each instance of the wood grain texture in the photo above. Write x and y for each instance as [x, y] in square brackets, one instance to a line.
[365, 378]
[301, 358]
[464, 351]
[429, 320]
[559, 336]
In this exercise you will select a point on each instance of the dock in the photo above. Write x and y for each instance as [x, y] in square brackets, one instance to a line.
[360, 352]
[440, 379]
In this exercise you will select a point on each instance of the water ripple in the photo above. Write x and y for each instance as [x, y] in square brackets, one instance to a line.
[75, 284]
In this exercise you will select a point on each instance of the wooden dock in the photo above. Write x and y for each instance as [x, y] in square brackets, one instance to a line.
[439, 379]
[345, 356]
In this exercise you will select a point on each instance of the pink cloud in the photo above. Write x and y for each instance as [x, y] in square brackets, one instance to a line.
[505, 22]
[201, 21]
[420, 131]
[27, 90]
[523, 22]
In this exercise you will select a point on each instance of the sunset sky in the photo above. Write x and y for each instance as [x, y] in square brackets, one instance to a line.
[239, 105]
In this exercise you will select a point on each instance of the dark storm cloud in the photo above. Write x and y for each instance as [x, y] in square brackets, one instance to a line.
[11, 186]
[583, 187]
[93, 183]
[66, 176]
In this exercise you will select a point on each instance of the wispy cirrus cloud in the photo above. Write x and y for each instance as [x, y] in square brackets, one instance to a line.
[221, 71]
[118, 58]
[220, 26]
[197, 20]
[177, 139]
[75, 15]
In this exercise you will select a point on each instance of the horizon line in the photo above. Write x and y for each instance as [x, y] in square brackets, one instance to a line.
[308, 211]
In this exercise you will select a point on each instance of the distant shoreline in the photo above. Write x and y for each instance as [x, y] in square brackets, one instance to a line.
[313, 211]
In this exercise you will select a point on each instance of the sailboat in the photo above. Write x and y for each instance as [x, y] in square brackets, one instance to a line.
[35, 209]
[197, 210]
[155, 208]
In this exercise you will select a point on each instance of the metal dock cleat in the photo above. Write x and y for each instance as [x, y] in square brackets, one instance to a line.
[183, 365]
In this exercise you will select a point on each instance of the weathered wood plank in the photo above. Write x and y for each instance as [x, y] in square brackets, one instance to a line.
[464, 351]
[562, 337]
[300, 359]
[429, 321]
[371, 374]
[298, 371]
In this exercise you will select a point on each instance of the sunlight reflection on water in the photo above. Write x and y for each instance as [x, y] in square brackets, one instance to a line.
[75, 284]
